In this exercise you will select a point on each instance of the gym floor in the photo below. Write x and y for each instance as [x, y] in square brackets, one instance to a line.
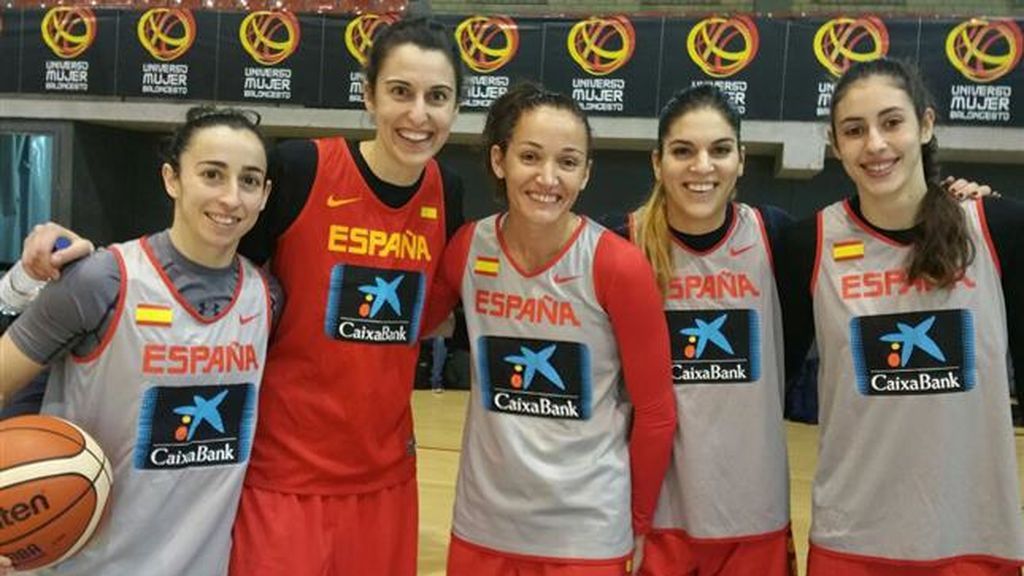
[439, 420]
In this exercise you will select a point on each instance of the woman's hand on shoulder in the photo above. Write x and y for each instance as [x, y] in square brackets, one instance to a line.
[45, 253]
[962, 189]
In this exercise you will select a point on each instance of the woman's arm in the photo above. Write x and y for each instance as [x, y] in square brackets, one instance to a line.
[793, 273]
[70, 314]
[16, 369]
[629, 294]
[1005, 219]
[445, 291]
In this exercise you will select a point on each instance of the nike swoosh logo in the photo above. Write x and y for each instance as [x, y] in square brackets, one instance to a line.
[243, 320]
[738, 251]
[333, 202]
[563, 279]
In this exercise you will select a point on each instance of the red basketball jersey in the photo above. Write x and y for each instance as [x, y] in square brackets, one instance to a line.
[335, 411]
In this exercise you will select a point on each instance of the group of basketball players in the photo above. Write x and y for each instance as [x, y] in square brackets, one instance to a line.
[601, 362]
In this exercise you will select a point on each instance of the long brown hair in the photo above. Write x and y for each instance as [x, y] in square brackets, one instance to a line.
[652, 233]
[943, 249]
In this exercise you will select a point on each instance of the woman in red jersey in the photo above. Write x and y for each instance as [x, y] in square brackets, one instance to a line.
[355, 239]
[571, 413]
[355, 232]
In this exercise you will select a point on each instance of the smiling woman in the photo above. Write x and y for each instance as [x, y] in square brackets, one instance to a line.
[913, 315]
[347, 222]
[132, 335]
[714, 259]
[355, 230]
[565, 316]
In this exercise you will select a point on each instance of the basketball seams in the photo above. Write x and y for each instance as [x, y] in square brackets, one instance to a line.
[55, 515]
[97, 511]
[80, 480]
[79, 442]
[93, 448]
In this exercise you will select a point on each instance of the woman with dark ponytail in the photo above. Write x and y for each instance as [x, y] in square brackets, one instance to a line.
[912, 293]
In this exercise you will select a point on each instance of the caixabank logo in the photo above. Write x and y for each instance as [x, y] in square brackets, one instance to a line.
[269, 37]
[361, 32]
[721, 47]
[68, 30]
[166, 33]
[984, 50]
[602, 45]
[714, 346]
[843, 41]
[195, 426]
[486, 43]
[913, 353]
[374, 306]
[528, 377]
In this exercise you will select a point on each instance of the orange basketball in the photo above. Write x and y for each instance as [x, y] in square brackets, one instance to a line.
[54, 484]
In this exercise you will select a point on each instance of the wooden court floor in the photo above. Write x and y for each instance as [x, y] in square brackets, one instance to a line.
[439, 420]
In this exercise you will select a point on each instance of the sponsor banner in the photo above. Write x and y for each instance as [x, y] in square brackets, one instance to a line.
[168, 53]
[739, 54]
[821, 50]
[606, 63]
[496, 52]
[973, 68]
[541, 378]
[195, 426]
[715, 346]
[347, 43]
[10, 50]
[269, 56]
[374, 306]
[69, 50]
[913, 353]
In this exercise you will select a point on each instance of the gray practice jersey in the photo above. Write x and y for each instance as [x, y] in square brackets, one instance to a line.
[65, 318]
[545, 466]
[729, 476]
[917, 458]
[171, 396]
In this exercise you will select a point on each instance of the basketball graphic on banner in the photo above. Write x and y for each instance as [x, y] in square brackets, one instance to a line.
[69, 30]
[269, 37]
[166, 33]
[984, 50]
[840, 42]
[602, 45]
[360, 32]
[486, 43]
[722, 47]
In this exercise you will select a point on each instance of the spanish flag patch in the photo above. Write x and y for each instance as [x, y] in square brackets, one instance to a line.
[153, 315]
[848, 250]
[428, 212]
[486, 266]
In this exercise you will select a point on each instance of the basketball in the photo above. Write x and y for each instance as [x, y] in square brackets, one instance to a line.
[54, 484]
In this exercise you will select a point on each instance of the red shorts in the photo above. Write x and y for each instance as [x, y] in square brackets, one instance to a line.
[466, 559]
[822, 562]
[674, 553]
[311, 535]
